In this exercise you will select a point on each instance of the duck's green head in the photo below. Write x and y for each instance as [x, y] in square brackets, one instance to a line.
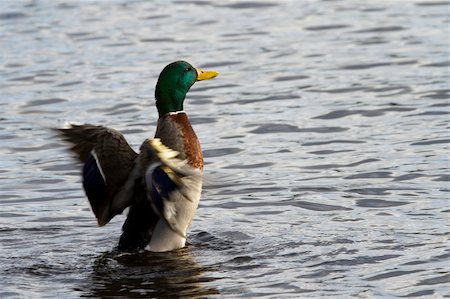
[174, 83]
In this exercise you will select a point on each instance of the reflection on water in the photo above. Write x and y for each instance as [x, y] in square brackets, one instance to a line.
[143, 275]
[326, 144]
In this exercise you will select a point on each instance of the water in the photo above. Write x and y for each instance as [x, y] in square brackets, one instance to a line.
[326, 141]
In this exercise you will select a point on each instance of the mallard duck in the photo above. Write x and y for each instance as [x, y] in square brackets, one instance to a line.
[162, 184]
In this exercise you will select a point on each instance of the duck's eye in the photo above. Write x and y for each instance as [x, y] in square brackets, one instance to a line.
[188, 69]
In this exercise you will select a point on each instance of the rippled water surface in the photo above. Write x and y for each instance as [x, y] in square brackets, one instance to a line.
[326, 142]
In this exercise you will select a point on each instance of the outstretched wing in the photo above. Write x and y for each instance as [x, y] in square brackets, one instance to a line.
[172, 185]
[108, 175]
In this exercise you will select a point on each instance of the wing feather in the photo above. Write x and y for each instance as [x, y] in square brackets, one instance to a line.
[169, 181]
[108, 162]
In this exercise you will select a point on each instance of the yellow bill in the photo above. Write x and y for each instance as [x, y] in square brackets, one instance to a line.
[205, 75]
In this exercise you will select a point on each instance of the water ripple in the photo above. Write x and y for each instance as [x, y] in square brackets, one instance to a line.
[379, 203]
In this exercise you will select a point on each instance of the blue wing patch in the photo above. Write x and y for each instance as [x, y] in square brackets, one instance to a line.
[94, 185]
[162, 185]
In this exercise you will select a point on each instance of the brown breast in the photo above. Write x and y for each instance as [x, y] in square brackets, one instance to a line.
[175, 131]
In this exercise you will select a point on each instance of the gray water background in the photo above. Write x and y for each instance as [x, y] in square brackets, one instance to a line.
[326, 142]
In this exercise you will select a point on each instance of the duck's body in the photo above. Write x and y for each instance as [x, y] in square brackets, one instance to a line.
[162, 184]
